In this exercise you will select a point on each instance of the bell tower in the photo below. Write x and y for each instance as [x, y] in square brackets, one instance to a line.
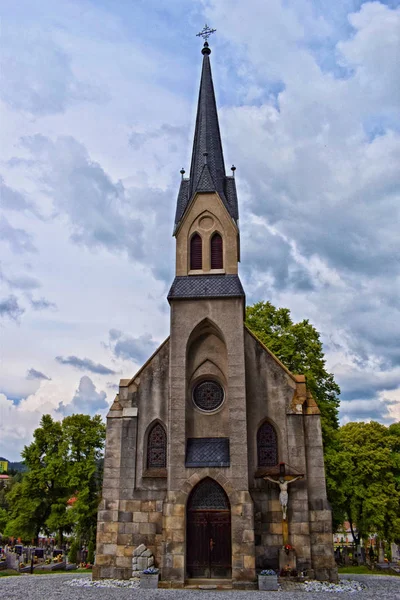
[206, 220]
[207, 383]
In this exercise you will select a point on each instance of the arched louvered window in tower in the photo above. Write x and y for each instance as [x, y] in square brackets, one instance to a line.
[196, 253]
[157, 448]
[216, 252]
[267, 446]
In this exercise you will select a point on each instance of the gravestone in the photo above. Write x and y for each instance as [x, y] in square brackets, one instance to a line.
[12, 560]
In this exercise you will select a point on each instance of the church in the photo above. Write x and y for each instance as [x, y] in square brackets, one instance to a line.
[214, 460]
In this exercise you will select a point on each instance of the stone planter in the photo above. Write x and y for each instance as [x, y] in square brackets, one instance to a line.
[149, 581]
[268, 583]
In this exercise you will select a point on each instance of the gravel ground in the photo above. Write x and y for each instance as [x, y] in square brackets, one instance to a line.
[52, 587]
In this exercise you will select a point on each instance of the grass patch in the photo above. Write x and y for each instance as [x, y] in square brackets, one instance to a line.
[89, 571]
[363, 570]
[63, 572]
[11, 572]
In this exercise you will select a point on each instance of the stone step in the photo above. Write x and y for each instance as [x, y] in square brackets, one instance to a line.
[208, 584]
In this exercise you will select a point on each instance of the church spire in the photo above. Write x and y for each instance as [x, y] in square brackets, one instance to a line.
[206, 220]
[207, 170]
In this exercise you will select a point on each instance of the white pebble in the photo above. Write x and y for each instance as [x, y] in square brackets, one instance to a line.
[348, 586]
[104, 583]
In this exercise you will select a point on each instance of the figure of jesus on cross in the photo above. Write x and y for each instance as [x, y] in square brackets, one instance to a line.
[283, 482]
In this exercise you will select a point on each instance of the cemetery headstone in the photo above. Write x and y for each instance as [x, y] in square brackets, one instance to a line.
[12, 560]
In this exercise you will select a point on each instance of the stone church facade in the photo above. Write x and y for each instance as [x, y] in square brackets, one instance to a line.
[191, 435]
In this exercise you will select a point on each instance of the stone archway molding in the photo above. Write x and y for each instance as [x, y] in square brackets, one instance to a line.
[174, 529]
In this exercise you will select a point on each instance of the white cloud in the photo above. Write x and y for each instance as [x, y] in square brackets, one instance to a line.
[86, 399]
[19, 240]
[9, 307]
[95, 136]
[373, 52]
[18, 421]
[127, 347]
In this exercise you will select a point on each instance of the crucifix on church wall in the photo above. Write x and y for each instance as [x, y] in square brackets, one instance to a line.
[283, 481]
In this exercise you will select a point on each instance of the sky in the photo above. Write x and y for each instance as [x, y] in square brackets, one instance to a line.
[98, 102]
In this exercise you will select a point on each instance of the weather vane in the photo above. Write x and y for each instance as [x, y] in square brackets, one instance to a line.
[205, 32]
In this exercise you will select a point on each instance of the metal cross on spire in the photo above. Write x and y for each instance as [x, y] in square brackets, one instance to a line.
[205, 32]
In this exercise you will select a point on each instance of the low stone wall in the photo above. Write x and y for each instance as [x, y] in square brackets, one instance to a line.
[120, 532]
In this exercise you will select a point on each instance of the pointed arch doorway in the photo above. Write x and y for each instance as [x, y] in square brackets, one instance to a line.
[209, 549]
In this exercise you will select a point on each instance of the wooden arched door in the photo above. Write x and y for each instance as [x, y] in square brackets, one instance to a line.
[209, 550]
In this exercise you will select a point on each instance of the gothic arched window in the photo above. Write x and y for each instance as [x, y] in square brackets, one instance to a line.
[217, 261]
[196, 253]
[267, 446]
[157, 448]
[208, 495]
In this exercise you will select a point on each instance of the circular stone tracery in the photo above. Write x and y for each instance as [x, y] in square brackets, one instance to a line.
[208, 395]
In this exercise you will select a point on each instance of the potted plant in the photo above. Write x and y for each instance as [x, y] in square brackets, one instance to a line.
[149, 578]
[268, 580]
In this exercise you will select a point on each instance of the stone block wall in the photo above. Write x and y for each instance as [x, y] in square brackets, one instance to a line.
[320, 513]
[268, 529]
[120, 531]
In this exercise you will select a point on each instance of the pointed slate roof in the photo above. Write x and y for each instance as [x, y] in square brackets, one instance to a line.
[207, 170]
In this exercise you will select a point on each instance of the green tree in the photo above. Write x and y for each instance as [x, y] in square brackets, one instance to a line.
[42, 486]
[4, 517]
[85, 438]
[299, 347]
[365, 478]
[62, 461]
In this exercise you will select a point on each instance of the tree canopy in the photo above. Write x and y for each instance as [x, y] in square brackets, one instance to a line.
[362, 460]
[63, 462]
[299, 347]
[363, 477]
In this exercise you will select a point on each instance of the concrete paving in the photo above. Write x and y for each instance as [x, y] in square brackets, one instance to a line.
[56, 587]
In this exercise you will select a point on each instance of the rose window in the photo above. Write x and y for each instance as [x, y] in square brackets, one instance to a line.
[208, 395]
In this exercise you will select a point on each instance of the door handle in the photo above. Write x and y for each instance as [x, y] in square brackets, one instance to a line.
[212, 544]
